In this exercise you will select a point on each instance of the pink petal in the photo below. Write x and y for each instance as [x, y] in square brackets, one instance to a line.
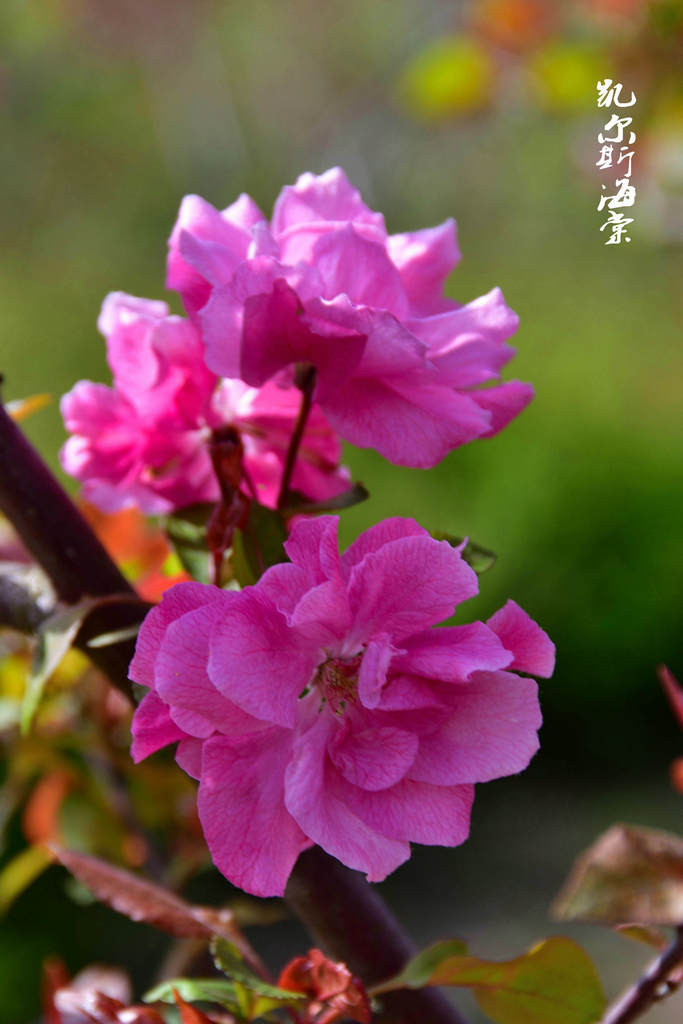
[322, 615]
[352, 265]
[258, 662]
[409, 425]
[487, 316]
[152, 727]
[177, 601]
[374, 759]
[205, 247]
[407, 585]
[188, 756]
[373, 670]
[325, 197]
[253, 840]
[533, 650]
[118, 307]
[424, 260]
[452, 653]
[471, 361]
[314, 797]
[492, 732]
[312, 544]
[130, 353]
[416, 811]
[503, 403]
[377, 536]
[181, 677]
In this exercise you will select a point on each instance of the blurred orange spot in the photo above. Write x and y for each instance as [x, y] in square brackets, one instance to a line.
[139, 548]
[134, 850]
[677, 774]
[515, 24]
[40, 820]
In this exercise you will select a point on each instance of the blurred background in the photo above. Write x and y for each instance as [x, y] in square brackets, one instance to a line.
[484, 111]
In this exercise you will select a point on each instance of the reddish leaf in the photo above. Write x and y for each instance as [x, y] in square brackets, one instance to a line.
[145, 901]
[54, 977]
[676, 772]
[630, 875]
[334, 992]
[189, 1014]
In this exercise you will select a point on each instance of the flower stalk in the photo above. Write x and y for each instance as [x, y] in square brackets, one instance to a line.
[306, 378]
[651, 987]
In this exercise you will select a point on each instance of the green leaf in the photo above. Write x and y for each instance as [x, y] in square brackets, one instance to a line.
[186, 530]
[195, 990]
[299, 505]
[554, 983]
[254, 995]
[115, 637]
[418, 971]
[259, 545]
[630, 875]
[55, 636]
[478, 558]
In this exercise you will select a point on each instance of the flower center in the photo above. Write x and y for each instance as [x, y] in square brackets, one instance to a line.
[336, 680]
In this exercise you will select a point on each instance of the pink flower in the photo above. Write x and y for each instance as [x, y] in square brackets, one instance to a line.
[319, 706]
[145, 442]
[399, 367]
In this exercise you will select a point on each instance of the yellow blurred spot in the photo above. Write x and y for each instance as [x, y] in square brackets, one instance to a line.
[21, 408]
[564, 75]
[452, 76]
[20, 872]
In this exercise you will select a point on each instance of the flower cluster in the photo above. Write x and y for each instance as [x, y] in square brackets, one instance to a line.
[399, 367]
[320, 706]
[145, 442]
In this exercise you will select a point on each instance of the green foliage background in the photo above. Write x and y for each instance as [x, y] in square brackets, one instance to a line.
[109, 113]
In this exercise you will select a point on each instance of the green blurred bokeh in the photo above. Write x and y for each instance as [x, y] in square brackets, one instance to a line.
[110, 113]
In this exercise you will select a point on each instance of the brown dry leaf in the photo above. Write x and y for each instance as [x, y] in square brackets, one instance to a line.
[141, 900]
[630, 875]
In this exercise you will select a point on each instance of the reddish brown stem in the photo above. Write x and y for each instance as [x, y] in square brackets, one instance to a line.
[306, 383]
[352, 923]
[63, 544]
[648, 989]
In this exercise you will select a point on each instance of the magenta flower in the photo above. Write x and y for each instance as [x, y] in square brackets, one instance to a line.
[144, 442]
[399, 367]
[320, 706]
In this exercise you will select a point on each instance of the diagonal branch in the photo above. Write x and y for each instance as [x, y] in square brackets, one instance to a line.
[65, 547]
[650, 988]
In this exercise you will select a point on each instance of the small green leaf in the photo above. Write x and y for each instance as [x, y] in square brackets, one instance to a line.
[115, 637]
[255, 996]
[55, 636]
[478, 558]
[554, 983]
[186, 530]
[418, 971]
[299, 505]
[195, 990]
[259, 545]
